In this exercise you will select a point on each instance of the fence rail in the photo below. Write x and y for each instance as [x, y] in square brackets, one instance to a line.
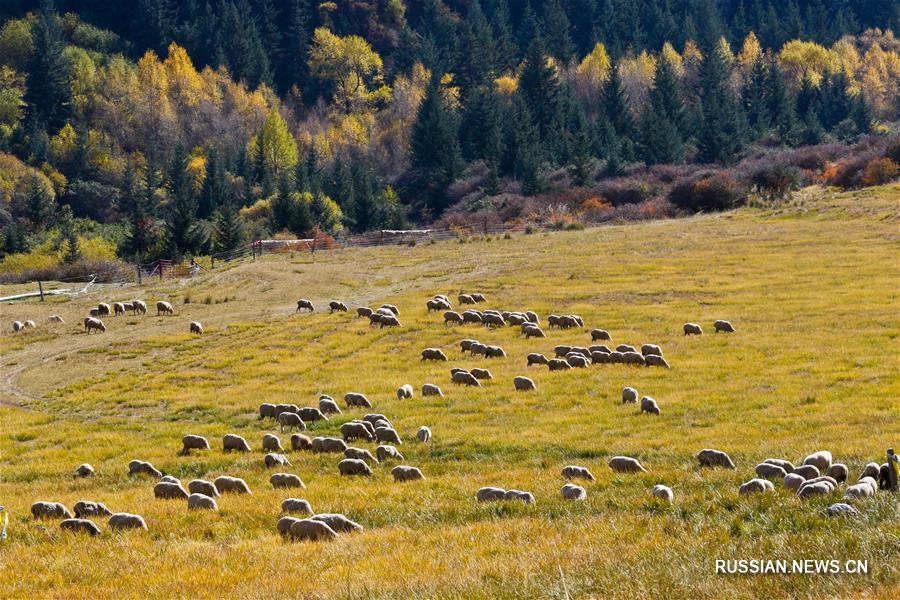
[170, 269]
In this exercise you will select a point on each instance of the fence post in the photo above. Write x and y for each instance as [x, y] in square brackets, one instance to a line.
[381, 243]
[41, 290]
[138, 269]
[484, 226]
[212, 262]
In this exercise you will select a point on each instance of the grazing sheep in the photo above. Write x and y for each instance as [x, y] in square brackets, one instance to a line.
[625, 348]
[626, 464]
[629, 395]
[389, 321]
[787, 465]
[328, 445]
[807, 471]
[80, 526]
[821, 460]
[465, 299]
[464, 378]
[533, 331]
[770, 471]
[85, 508]
[424, 434]
[714, 458]
[364, 311]
[373, 418]
[492, 320]
[616, 358]
[536, 358]
[653, 360]
[193, 442]
[122, 521]
[599, 334]
[128, 306]
[337, 306]
[832, 483]
[558, 364]
[139, 306]
[283, 526]
[304, 304]
[300, 442]
[163, 307]
[406, 473]
[201, 486]
[692, 329]
[820, 488]
[50, 510]
[328, 406]
[576, 472]
[490, 494]
[170, 479]
[526, 497]
[356, 399]
[524, 384]
[276, 460]
[516, 319]
[466, 345]
[561, 351]
[405, 392]
[84, 470]
[271, 443]
[354, 466]
[196, 327]
[663, 492]
[577, 360]
[648, 349]
[291, 421]
[481, 374]
[429, 389]
[55, 319]
[756, 486]
[360, 454]
[840, 509]
[94, 312]
[435, 305]
[860, 490]
[838, 471]
[18, 326]
[266, 410]
[311, 530]
[472, 316]
[308, 413]
[201, 502]
[451, 316]
[166, 490]
[723, 326]
[139, 467]
[29, 324]
[649, 405]
[232, 441]
[354, 430]
[296, 505]
[338, 522]
[871, 470]
[792, 481]
[387, 434]
[633, 358]
[600, 358]
[570, 491]
[385, 453]
[233, 485]
[104, 309]
[433, 354]
[93, 324]
[286, 480]
[118, 308]
[494, 352]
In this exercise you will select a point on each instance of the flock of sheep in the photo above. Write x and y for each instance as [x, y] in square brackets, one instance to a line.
[816, 475]
[94, 323]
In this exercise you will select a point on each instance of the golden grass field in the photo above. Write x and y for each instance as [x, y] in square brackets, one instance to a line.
[810, 285]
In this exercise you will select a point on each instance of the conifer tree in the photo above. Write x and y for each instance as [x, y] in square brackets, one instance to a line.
[48, 92]
[436, 155]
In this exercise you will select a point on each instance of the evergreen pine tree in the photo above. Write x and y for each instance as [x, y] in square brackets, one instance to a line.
[780, 105]
[39, 205]
[69, 236]
[614, 102]
[184, 235]
[282, 205]
[722, 132]
[48, 92]
[581, 169]
[436, 156]
[556, 31]
[215, 187]
[228, 233]
[540, 88]
[504, 44]
[478, 64]
[662, 119]
[481, 131]
[755, 94]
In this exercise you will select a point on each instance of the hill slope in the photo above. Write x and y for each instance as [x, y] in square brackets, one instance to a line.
[810, 287]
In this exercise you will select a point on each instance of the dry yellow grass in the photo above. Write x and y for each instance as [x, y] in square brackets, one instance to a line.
[811, 287]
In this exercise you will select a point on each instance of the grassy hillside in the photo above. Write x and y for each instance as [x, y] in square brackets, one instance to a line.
[811, 288]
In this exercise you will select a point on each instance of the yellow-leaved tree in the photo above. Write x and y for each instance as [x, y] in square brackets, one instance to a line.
[351, 66]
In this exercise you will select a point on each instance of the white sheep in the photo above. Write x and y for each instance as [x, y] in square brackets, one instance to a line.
[163, 307]
[291, 421]
[629, 395]
[94, 324]
[490, 494]
[338, 522]
[626, 464]
[196, 327]
[271, 443]
[524, 384]
[311, 530]
[793, 481]
[193, 442]
[838, 471]
[296, 505]
[286, 480]
[201, 486]
[570, 491]
[821, 460]
[272, 460]
[649, 405]
[723, 326]
[232, 441]
[405, 392]
[167, 490]
[756, 486]
[692, 329]
[354, 466]
[385, 452]
[663, 493]
[406, 473]
[576, 472]
[80, 526]
[429, 389]
[140, 467]
[50, 510]
[202, 502]
[714, 458]
[234, 485]
[122, 521]
[87, 508]
[770, 471]
[84, 470]
[360, 454]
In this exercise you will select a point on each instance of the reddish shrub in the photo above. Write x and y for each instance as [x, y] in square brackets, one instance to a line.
[880, 171]
[712, 190]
